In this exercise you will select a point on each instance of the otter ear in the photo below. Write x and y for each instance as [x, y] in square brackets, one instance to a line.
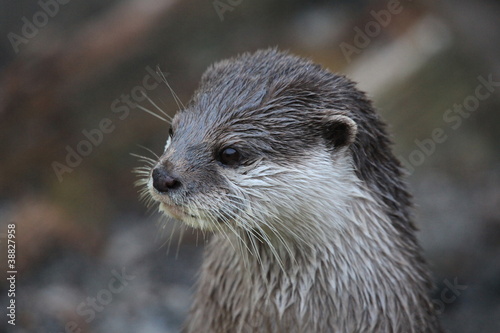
[339, 131]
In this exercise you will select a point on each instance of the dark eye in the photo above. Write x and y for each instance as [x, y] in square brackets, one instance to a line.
[170, 132]
[229, 156]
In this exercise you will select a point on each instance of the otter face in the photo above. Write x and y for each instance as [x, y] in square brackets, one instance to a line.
[247, 148]
[243, 171]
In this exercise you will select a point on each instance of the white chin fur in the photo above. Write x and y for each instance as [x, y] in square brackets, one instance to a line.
[186, 218]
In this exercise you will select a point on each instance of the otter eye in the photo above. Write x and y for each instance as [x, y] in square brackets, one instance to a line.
[170, 132]
[229, 156]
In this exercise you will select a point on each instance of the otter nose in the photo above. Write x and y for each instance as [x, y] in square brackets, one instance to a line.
[163, 181]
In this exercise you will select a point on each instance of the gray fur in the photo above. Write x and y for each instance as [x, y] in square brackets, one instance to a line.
[313, 229]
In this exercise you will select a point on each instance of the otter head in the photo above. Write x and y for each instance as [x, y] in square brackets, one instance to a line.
[256, 147]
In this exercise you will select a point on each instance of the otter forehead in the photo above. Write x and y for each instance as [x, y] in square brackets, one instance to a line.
[267, 101]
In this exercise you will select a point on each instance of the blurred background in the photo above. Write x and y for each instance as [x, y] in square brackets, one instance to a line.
[90, 257]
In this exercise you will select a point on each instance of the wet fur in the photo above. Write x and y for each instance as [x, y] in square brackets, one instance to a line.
[313, 230]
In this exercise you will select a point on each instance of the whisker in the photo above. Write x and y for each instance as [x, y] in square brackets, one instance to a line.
[227, 223]
[157, 107]
[171, 237]
[152, 113]
[218, 215]
[262, 235]
[149, 165]
[143, 158]
[162, 223]
[251, 234]
[174, 95]
[149, 150]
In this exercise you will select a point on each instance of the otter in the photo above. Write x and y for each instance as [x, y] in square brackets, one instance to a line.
[291, 169]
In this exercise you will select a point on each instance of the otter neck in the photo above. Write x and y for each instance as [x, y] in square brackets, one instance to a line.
[345, 261]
